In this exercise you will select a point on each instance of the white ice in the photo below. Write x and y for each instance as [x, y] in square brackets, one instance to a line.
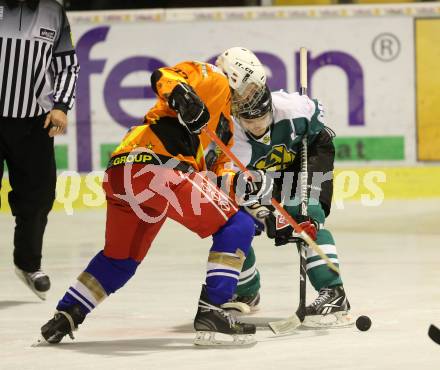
[390, 260]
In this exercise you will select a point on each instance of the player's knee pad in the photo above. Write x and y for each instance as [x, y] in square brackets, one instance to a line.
[238, 232]
[324, 237]
[316, 212]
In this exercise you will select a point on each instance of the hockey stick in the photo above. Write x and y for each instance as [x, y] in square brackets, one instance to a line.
[434, 333]
[288, 325]
[301, 311]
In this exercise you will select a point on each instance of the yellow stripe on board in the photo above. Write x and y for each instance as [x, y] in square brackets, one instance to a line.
[372, 185]
[303, 2]
[428, 84]
[389, 183]
[74, 191]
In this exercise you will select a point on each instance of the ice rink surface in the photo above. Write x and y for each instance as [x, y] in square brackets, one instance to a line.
[390, 263]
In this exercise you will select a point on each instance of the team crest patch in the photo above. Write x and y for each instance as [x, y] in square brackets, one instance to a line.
[278, 158]
[48, 34]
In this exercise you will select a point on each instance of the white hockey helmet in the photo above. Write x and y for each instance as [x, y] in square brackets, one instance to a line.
[242, 68]
[246, 76]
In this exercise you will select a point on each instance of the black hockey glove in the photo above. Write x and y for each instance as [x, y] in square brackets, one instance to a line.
[251, 186]
[276, 226]
[191, 111]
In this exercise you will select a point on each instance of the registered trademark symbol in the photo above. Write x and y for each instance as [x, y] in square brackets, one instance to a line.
[386, 47]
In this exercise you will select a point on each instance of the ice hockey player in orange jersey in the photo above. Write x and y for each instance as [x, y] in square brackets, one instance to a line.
[158, 171]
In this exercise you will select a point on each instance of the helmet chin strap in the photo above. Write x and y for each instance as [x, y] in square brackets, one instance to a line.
[258, 126]
[257, 137]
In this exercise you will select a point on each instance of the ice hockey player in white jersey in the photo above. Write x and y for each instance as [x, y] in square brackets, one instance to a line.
[269, 127]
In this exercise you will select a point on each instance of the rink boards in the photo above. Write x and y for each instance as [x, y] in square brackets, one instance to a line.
[378, 84]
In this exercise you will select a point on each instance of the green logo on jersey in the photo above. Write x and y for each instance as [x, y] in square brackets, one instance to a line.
[278, 159]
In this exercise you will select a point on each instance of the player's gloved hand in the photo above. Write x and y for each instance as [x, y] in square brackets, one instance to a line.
[251, 186]
[191, 111]
[276, 226]
[288, 235]
[264, 217]
[271, 221]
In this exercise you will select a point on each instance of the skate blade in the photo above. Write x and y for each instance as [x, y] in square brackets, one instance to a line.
[286, 326]
[208, 338]
[41, 295]
[239, 307]
[332, 320]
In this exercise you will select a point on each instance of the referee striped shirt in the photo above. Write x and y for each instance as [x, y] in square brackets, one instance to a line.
[38, 63]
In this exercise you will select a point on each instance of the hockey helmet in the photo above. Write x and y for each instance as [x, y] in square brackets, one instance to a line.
[242, 68]
[246, 77]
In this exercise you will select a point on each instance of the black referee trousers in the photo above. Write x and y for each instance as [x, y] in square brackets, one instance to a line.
[29, 153]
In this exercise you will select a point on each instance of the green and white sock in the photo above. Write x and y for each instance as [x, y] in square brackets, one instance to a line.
[249, 279]
[320, 275]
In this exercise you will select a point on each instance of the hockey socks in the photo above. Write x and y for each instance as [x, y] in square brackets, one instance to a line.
[249, 279]
[320, 275]
[230, 246]
[103, 276]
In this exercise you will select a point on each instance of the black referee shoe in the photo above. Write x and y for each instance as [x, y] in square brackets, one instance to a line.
[37, 281]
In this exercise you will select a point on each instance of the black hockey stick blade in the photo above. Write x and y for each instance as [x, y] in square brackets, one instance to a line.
[434, 333]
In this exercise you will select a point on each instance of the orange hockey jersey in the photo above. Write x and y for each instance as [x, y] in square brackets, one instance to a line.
[165, 136]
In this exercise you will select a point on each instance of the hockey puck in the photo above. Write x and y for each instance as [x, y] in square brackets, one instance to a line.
[363, 323]
[434, 333]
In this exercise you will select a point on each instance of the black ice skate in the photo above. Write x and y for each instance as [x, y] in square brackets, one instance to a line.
[243, 305]
[212, 320]
[62, 324]
[330, 309]
[37, 281]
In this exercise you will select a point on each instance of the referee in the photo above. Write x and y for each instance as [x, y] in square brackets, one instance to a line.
[38, 73]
